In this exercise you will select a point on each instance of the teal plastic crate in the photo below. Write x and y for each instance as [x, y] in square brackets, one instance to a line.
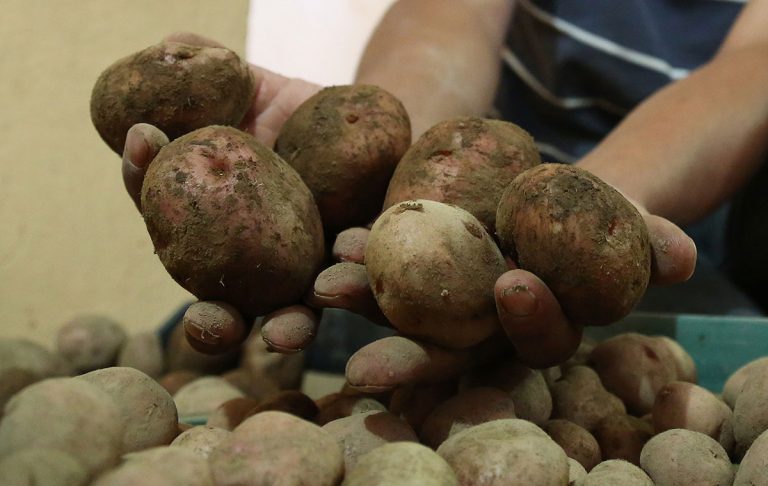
[719, 345]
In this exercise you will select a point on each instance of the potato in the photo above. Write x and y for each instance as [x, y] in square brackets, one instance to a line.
[90, 342]
[49, 467]
[159, 465]
[340, 405]
[401, 464]
[580, 398]
[615, 472]
[467, 162]
[146, 408]
[432, 268]
[576, 471]
[201, 439]
[682, 405]
[231, 221]
[345, 142]
[23, 362]
[277, 448]
[527, 388]
[415, 403]
[203, 395]
[66, 414]
[576, 441]
[750, 414]
[289, 401]
[174, 380]
[503, 452]
[622, 437]
[735, 382]
[686, 367]
[231, 413]
[582, 353]
[470, 407]
[361, 433]
[752, 471]
[143, 351]
[684, 457]
[241, 379]
[634, 367]
[581, 237]
[175, 86]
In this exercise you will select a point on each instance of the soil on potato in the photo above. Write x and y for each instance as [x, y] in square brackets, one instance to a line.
[173, 86]
[581, 237]
[231, 221]
[345, 142]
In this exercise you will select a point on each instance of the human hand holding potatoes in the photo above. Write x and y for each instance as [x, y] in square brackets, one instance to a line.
[468, 162]
[421, 273]
[134, 108]
[199, 200]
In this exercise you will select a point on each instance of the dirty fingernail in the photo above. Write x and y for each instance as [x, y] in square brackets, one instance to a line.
[519, 301]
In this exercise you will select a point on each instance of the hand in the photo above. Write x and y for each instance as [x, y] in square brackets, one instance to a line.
[528, 312]
[214, 327]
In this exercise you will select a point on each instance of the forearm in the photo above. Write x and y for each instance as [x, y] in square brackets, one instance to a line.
[440, 58]
[690, 146]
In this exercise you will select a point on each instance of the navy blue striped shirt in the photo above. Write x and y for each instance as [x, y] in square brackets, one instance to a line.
[574, 68]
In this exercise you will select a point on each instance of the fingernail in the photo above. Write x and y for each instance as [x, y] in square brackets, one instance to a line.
[519, 301]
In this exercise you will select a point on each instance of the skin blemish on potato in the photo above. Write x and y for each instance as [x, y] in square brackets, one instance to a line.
[218, 166]
[613, 226]
[352, 118]
[441, 153]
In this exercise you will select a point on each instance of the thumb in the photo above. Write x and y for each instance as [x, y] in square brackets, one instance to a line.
[142, 143]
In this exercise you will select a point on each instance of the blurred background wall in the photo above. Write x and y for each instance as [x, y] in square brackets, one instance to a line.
[71, 241]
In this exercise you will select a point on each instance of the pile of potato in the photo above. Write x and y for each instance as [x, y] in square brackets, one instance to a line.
[237, 222]
[623, 410]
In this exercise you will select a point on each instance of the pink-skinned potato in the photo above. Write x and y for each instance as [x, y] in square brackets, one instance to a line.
[432, 268]
[277, 448]
[174, 86]
[586, 241]
[464, 161]
[231, 221]
[345, 141]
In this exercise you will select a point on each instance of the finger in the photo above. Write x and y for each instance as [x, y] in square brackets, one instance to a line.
[345, 286]
[673, 253]
[397, 361]
[350, 245]
[290, 329]
[534, 321]
[142, 143]
[214, 327]
[191, 39]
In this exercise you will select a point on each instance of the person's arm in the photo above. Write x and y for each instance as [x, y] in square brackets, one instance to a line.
[690, 146]
[439, 57]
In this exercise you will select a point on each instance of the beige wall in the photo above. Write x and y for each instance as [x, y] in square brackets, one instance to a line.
[71, 241]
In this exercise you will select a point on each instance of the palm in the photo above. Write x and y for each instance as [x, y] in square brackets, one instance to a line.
[276, 98]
